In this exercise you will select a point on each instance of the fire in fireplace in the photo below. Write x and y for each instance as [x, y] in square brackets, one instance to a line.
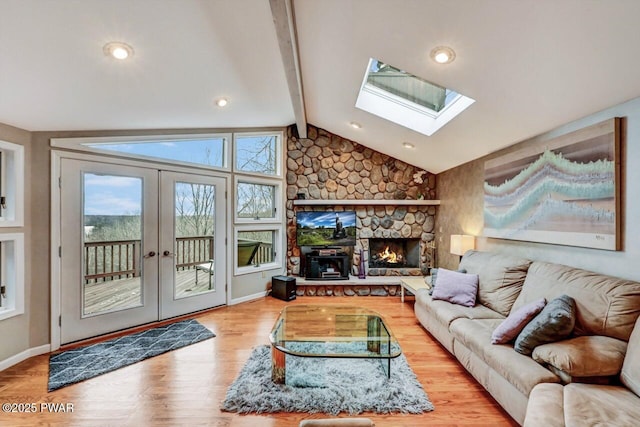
[394, 253]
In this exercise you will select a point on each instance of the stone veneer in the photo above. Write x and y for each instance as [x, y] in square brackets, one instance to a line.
[325, 166]
[347, 290]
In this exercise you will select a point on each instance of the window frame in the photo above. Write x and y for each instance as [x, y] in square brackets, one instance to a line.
[79, 143]
[278, 154]
[12, 184]
[277, 199]
[277, 248]
[13, 271]
[275, 224]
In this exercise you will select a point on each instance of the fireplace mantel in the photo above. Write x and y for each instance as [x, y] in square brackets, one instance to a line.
[362, 202]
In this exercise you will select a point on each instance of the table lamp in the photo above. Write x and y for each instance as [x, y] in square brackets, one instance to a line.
[461, 243]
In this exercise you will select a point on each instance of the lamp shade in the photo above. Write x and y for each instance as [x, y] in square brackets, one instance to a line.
[461, 243]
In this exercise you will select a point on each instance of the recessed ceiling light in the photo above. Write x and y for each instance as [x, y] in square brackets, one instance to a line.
[408, 145]
[118, 50]
[355, 125]
[443, 55]
[222, 102]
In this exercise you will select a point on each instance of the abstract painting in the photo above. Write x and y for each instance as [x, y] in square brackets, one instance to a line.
[563, 190]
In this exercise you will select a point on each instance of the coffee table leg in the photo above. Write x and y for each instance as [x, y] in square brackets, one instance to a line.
[278, 373]
[373, 331]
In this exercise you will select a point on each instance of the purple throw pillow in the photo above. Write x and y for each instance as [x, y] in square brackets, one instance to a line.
[516, 321]
[457, 288]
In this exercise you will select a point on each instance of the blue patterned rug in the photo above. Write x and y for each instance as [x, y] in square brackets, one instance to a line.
[79, 364]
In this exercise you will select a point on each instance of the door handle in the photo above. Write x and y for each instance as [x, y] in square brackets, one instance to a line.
[167, 253]
[150, 254]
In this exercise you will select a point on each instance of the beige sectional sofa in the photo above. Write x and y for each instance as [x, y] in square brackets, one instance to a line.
[606, 311]
[579, 404]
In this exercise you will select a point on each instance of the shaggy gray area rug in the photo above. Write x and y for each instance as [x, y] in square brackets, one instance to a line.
[73, 366]
[326, 385]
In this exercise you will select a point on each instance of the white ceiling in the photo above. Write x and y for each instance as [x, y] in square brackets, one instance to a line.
[531, 65]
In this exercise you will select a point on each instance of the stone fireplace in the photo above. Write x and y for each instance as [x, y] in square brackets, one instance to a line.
[391, 199]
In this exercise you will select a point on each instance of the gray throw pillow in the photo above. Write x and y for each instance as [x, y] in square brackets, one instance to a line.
[554, 323]
[434, 276]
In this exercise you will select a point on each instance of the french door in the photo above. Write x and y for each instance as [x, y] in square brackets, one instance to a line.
[137, 245]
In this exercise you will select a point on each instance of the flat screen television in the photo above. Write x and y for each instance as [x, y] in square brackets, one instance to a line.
[326, 228]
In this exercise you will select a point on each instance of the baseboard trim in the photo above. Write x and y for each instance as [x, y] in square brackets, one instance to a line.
[248, 298]
[14, 360]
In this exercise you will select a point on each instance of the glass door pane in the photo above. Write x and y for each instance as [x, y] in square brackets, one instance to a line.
[192, 243]
[109, 245]
[194, 223]
[112, 227]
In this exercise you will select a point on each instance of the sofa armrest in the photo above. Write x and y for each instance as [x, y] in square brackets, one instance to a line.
[586, 356]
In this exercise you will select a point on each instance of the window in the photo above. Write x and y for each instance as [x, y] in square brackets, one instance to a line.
[252, 159]
[255, 201]
[258, 197]
[11, 185]
[257, 154]
[11, 275]
[255, 248]
[407, 100]
[203, 150]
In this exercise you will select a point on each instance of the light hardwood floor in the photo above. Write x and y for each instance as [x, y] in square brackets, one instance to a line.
[185, 387]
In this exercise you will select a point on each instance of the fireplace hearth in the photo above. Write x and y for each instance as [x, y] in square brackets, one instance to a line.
[394, 253]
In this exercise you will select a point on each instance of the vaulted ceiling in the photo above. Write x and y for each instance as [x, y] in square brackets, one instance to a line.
[531, 65]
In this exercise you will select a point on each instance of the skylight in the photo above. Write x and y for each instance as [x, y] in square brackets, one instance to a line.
[407, 100]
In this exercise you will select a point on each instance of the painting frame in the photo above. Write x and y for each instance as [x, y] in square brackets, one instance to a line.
[563, 190]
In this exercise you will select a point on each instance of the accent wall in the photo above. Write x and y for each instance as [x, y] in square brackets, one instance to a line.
[462, 201]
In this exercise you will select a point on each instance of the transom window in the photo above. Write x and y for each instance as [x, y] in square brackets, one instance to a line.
[208, 150]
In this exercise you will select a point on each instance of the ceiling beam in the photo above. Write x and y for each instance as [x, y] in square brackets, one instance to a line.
[284, 21]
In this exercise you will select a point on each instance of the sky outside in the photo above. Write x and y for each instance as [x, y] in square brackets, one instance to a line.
[121, 195]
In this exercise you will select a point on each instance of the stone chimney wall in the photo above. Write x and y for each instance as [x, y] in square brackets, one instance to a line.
[325, 166]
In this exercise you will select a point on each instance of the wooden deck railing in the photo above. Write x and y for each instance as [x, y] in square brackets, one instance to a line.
[119, 259]
[116, 259]
[264, 253]
[191, 251]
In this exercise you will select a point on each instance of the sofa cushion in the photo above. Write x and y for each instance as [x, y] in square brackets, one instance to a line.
[445, 312]
[600, 405]
[545, 407]
[587, 356]
[500, 278]
[630, 375]
[516, 321]
[521, 371]
[456, 288]
[553, 323]
[605, 305]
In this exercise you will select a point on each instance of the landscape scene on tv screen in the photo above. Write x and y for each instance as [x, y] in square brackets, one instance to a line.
[326, 228]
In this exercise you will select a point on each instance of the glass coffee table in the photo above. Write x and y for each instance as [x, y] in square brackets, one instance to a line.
[330, 332]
